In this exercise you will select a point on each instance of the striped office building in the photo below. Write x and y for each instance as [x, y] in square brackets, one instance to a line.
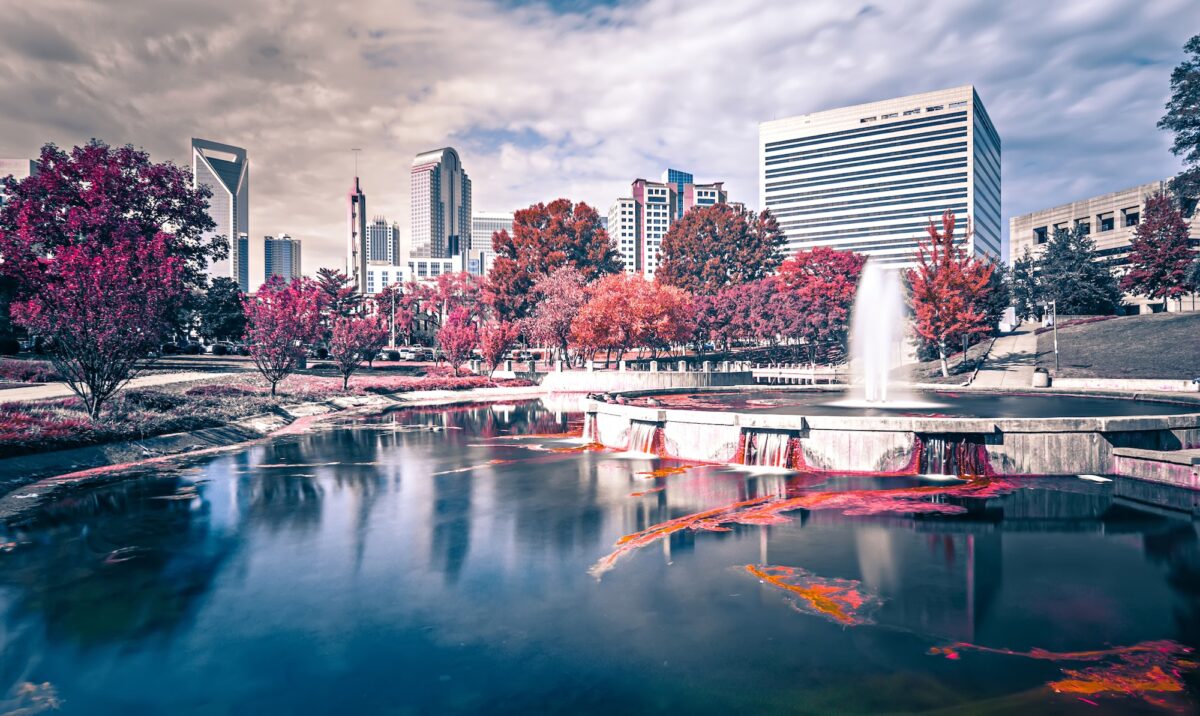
[868, 178]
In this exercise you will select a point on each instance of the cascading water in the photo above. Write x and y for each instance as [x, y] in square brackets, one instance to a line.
[957, 455]
[876, 331]
[767, 449]
[641, 437]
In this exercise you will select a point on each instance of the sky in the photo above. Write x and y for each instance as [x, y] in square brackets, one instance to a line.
[571, 98]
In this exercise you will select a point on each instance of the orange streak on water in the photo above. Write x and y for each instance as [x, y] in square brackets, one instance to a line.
[1144, 670]
[839, 600]
[641, 493]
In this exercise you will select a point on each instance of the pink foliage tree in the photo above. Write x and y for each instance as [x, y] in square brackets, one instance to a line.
[104, 307]
[495, 339]
[281, 318]
[458, 337]
[354, 339]
[559, 296]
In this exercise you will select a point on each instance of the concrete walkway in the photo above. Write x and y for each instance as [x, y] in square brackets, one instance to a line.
[1011, 361]
[51, 391]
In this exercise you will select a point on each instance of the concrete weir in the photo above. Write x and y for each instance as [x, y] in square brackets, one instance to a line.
[891, 443]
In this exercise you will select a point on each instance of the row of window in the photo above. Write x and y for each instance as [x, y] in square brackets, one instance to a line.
[899, 141]
[924, 197]
[911, 112]
[1105, 222]
[783, 144]
[917, 222]
[876, 188]
[936, 165]
[955, 148]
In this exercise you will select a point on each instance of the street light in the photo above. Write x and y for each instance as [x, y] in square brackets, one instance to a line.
[1053, 308]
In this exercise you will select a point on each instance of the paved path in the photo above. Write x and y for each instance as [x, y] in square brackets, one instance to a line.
[50, 391]
[1011, 361]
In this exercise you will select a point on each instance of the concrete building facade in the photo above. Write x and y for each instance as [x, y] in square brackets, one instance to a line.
[638, 223]
[1109, 219]
[281, 257]
[225, 170]
[868, 178]
[483, 225]
[382, 242]
[441, 205]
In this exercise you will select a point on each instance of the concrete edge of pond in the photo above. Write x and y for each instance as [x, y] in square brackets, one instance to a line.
[55, 474]
[1014, 446]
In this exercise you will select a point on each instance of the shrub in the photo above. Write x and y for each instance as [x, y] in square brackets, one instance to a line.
[220, 350]
[220, 391]
[393, 356]
[156, 400]
[322, 353]
[192, 349]
[9, 346]
[28, 371]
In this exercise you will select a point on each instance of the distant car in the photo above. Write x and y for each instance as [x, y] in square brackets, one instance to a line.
[407, 354]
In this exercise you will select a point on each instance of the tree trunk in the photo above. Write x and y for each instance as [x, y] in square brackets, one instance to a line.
[942, 356]
[273, 383]
[345, 382]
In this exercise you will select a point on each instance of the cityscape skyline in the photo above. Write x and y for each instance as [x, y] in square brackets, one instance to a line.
[521, 147]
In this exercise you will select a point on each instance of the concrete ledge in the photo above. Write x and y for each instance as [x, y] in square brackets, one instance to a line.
[1180, 468]
[1165, 385]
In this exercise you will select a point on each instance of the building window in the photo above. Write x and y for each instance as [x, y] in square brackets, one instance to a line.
[1039, 235]
[1060, 227]
[910, 112]
[865, 120]
[1132, 216]
[1083, 226]
[890, 116]
[1106, 222]
[960, 103]
[934, 108]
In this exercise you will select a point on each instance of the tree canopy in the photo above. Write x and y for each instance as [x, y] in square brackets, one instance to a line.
[545, 237]
[715, 246]
[1070, 275]
[1183, 119]
[1159, 255]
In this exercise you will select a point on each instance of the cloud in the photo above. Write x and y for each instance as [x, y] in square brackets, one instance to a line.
[547, 99]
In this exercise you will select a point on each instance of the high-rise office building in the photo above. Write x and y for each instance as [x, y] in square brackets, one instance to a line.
[357, 249]
[868, 178]
[281, 257]
[383, 242]
[441, 205]
[637, 224]
[225, 170]
[483, 225]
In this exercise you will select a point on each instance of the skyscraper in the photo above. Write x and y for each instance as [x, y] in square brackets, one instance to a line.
[637, 224]
[281, 257]
[357, 249]
[383, 242]
[441, 205]
[225, 170]
[869, 177]
[483, 225]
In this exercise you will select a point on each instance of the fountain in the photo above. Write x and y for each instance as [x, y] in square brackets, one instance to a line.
[876, 329]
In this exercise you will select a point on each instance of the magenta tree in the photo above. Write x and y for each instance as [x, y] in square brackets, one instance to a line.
[103, 308]
[281, 319]
[354, 339]
[458, 337]
[104, 196]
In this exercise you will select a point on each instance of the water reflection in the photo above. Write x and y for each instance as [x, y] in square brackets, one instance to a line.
[435, 560]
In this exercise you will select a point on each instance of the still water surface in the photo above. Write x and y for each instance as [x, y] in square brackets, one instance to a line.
[426, 562]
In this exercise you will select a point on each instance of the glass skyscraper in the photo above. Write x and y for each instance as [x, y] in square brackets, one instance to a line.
[281, 257]
[225, 170]
[441, 205]
[868, 178]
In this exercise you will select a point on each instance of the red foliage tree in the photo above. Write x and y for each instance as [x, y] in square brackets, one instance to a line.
[459, 290]
[1159, 255]
[281, 319]
[949, 289]
[559, 296]
[823, 282]
[625, 311]
[103, 196]
[495, 339]
[354, 339]
[715, 246]
[458, 337]
[103, 307]
[545, 237]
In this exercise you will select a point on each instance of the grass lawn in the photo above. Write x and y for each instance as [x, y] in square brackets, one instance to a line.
[1159, 345]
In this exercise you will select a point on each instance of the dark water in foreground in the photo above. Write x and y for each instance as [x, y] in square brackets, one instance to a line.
[374, 569]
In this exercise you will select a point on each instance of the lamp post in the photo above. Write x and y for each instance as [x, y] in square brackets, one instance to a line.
[1054, 324]
[393, 318]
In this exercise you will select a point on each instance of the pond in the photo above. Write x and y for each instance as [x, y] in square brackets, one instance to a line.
[466, 560]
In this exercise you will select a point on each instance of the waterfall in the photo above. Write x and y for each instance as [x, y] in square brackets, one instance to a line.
[958, 455]
[876, 329]
[641, 436]
[767, 449]
[589, 428]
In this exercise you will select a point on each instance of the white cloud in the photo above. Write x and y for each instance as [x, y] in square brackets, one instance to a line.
[543, 105]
